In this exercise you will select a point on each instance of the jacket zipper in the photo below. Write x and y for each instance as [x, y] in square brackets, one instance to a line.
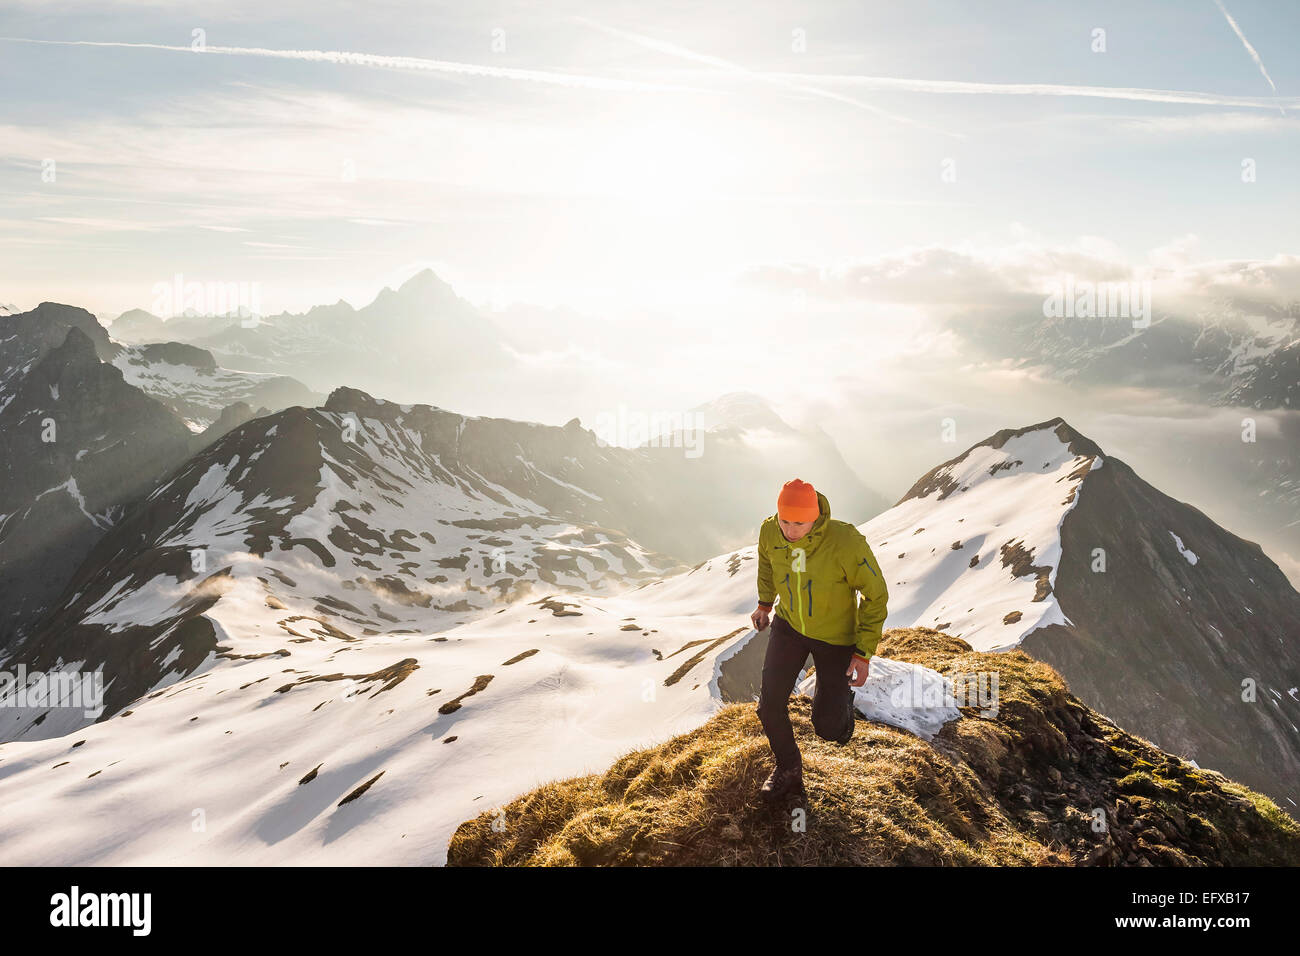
[798, 602]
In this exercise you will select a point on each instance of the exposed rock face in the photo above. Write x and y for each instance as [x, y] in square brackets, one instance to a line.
[77, 444]
[392, 514]
[1164, 618]
[26, 337]
[1185, 619]
[188, 381]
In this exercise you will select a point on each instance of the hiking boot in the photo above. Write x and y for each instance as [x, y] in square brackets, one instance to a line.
[782, 781]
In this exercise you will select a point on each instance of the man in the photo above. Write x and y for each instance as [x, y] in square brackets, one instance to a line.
[815, 565]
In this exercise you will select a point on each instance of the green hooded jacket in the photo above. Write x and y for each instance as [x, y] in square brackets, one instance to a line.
[816, 579]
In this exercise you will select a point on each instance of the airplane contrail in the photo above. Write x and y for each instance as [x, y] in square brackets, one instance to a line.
[379, 61]
[1259, 62]
[1038, 89]
[672, 49]
[815, 83]
[790, 80]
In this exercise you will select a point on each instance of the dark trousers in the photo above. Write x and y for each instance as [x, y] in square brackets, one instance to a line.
[832, 709]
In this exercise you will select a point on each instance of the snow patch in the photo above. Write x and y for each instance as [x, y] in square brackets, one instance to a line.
[1185, 552]
[1018, 493]
[904, 695]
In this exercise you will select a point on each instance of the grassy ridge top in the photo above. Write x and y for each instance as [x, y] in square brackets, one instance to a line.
[1046, 782]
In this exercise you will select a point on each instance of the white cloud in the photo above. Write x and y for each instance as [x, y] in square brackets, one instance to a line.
[969, 281]
[1177, 254]
[569, 357]
[959, 274]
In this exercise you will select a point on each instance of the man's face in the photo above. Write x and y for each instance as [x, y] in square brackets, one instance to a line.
[794, 530]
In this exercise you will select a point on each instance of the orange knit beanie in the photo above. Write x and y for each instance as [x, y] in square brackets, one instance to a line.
[797, 502]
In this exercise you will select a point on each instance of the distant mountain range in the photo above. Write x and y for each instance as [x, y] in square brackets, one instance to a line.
[412, 343]
[186, 379]
[404, 345]
[120, 440]
[421, 341]
[1225, 358]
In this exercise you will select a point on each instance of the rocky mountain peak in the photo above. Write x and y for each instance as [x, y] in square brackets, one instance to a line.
[743, 411]
[1048, 440]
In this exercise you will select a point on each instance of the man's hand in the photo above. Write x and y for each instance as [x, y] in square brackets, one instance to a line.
[861, 665]
[761, 618]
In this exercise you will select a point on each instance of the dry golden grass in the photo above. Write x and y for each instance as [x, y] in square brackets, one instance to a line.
[1021, 789]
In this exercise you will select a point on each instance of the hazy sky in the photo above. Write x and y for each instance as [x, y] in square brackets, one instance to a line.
[618, 156]
[662, 202]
